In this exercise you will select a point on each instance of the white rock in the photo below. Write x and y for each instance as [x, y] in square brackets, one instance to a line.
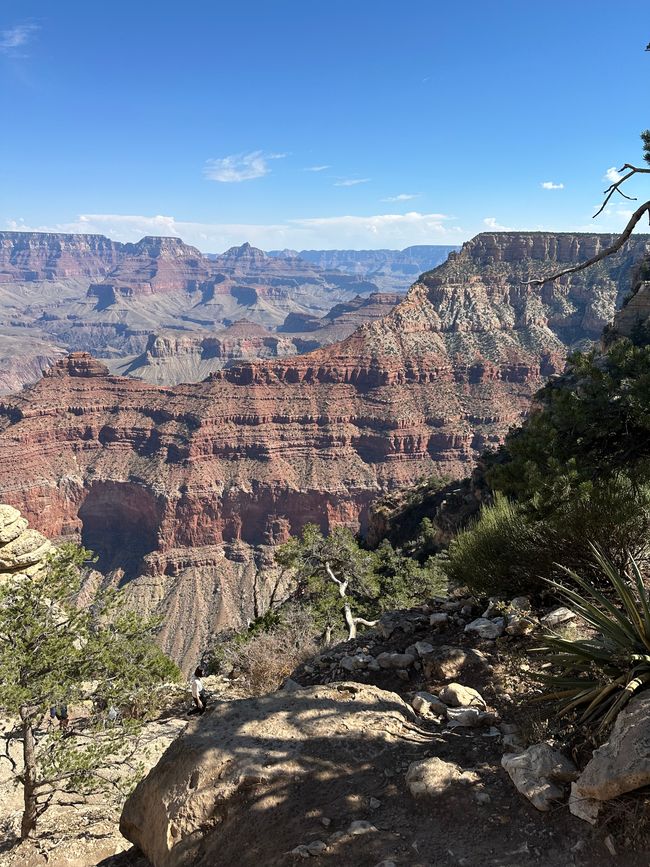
[518, 625]
[484, 628]
[557, 616]
[536, 773]
[466, 717]
[426, 703]
[360, 827]
[356, 662]
[623, 763]
[582, 807]
[423, 647]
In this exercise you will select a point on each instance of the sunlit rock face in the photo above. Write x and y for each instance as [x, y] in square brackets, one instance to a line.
[183, 491]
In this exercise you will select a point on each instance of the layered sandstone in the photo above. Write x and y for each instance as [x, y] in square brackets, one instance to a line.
[87, 293]
[35, 256]
[184, 490]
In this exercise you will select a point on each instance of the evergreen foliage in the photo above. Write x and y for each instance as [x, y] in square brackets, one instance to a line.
[54, 652]
[377, 580]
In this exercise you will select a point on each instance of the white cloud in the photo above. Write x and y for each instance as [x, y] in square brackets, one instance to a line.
[348, 231]
[350, 182]
[491, 223]
[16, 38]
[239, 167]
[549, 185]
[402, 197]
[316, 168]
[612, 175]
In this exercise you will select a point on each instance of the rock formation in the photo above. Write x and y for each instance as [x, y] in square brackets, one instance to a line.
[274, 758]
[390, 270]
[22, 550]
[183, 491]
[87, 293]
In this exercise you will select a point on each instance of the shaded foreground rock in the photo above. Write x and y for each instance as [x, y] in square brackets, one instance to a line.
[259, 764]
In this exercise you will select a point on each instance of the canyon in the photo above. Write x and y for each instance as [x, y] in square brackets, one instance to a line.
[162, 311]
[184, 491]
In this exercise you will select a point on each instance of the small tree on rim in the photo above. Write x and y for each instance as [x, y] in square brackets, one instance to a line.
[55, 651]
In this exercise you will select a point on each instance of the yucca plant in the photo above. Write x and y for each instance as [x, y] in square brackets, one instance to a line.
[599, 675]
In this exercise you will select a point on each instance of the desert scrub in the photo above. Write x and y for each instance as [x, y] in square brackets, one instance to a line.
[263, 658]
[598, 675]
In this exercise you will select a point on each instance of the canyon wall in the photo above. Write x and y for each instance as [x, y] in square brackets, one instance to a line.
[183, 491]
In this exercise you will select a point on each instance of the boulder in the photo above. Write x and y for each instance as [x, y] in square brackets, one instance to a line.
[272, 757]
[484, 628]
[623, 763]
[426, 703]
[434, 777]
[538, 772]
[356, 662]
[449, 663]
[439, 619]
[519, 625]
[395, 660]
[27, 549]
[468, 717]
[584, 808]
[457, 695]
[422, 648]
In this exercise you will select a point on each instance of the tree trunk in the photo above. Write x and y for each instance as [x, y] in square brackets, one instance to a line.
[28, 823]
[350, 620]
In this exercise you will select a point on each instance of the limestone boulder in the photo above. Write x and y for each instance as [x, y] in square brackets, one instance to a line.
[538, 773]
[482, 627]
[22, 550]
[457, 695]
[435, 777]
[623, 763]
[235, 786]
[558, 616]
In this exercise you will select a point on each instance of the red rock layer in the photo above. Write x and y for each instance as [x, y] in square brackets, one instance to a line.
[169, 484]
[28, 256]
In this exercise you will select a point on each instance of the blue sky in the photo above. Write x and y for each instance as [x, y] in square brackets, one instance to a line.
[318, 124]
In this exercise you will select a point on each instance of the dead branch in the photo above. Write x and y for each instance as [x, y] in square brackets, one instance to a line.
[616, 186]
[341, 584]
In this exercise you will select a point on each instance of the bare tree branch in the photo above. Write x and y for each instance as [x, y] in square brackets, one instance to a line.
[615, 187]
[341, 584]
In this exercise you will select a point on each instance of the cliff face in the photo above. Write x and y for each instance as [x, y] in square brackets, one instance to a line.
[29, 256]
[87, 293]
[184, 490]
[389, 269]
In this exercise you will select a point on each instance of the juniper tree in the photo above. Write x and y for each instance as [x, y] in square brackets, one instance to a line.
[55, 650]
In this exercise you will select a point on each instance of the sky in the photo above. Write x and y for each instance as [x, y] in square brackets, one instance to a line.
[346, 123]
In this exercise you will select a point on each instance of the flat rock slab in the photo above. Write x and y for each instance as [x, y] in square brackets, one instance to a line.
[248, 768]
[623, 763]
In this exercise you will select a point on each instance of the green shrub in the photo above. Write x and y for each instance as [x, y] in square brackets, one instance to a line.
[502, 551]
